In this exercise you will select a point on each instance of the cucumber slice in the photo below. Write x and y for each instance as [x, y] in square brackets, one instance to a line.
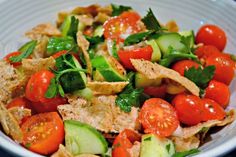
[69, 26]
[142, 81]
[167, 40]
[153, 146]
[97, 76]
[86, 93]
[98, 31]
[191, 34]
[106, 70]
[156, 54]
[83, 139]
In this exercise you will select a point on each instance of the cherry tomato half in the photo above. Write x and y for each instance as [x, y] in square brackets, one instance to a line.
[138, 53]
[7, 58]
[207, 51]
[218, 92]
[156, 91]
[43, 133]
[212, 35]
[183, 65]
[159, 117]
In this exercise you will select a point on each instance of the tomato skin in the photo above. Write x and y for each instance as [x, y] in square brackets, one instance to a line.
[212, 110]
[218, 92]
[123, 142]
[42, 133]
[224, 68]
[124, 24]
[154, 91]
[12, 54]
[138, 53]
[19, 102]
[189, 108]
[183, 65]
[212, 35]
[159, 117]
[206, 51]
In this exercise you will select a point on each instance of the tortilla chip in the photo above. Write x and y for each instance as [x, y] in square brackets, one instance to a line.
[40, 30]
[10, 124]
[172, 26]
[101, 113]
[19, 113]
[84, 45]
[41, 48]
[31, 66]
[185, 144]
[154, 71]
[106, 88]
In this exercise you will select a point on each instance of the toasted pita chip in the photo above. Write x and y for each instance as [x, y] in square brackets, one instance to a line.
[86, 155]
[31, 66]
[172, 26]
[61, 16]
[185, 144]
[86, 20]
[154, 70]
[101, 18]
[10, 124]
[101, 113]
[134, 151]
[193, 130]
[116, 65]
[84, 45]
[40, 30]
[106, 88]
[41, 48]
[62, 152]
[19, 113]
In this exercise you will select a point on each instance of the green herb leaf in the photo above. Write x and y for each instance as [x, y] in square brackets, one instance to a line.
[114, 50]
[118, 9]
[70, 27]
[148, 139]
[136, 38]
[187, 42]
[129, 97]
[168, 148]
[186, 153]
[151, 22]
[27, 145]
[200, 76]
[94, 41]
[56, 44]
[52, 90]
[233, 57]
[26, 50]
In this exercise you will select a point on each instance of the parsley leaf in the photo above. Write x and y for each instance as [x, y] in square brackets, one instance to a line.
[118, 9]
[114, 50]
[129, 97]
[186, 40]
[233, 57]
[70, 27]
[186, 153]
[26, 50]
[151, 22]
[52, 90]
[200, 76]
[94, 41]
[168, 148]
[148, 139]
[136, 38]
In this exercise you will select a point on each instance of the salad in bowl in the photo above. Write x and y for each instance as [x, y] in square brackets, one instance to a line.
[105, 81]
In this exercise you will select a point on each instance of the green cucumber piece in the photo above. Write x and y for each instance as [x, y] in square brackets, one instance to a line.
[98, 31]
[86, 93]
[77, 64]
[156, 54]
[142, 81]
[189, 34]
[167, 40]
[70, 26]
[102, 64]
[97, 76]
[81, 138]
[153, 146]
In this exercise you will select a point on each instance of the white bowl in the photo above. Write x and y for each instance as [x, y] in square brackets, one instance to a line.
[16, 17]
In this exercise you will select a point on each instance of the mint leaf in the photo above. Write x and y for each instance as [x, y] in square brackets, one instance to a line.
[151, 22]
[118, 9]
[186, 153]
[26, 50]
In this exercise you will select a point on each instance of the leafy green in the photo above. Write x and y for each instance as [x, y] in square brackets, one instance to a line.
[118, 9]
[148, 139]
[151, 22]
[200, 76]
[94, 41]
[26, 50]
[168, 148]
[114, 50]
[129, 97]
[233, 57]
[70, 27]
[186, 40]
[136, 38]
[56, 44]
[186, 153]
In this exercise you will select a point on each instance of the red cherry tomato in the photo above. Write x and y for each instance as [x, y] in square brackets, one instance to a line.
[159, 117]
[19, 102]
[7, 58]
[212, 35]
[119, 27]
[212, 110]
[218, 92]
[123, 142]
[183, 65]
[189, 108]
[138, 53]
[154, 91]
[224, 68]
[207, 51]
[43, 133]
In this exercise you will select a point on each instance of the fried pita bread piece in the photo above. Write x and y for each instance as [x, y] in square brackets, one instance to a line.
[11, 81]
[84, 45]
[106, 88]
[45, 29]
[134, 151]
[10, 124]
[19, 113]
[31, 66]
[41, 48]
[154, 71]
[101, 113]
[185, 144]
[172, 26]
